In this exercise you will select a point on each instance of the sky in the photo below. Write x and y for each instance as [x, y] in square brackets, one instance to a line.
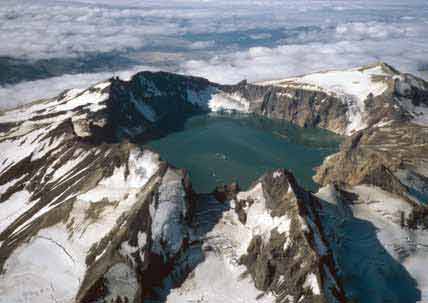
[49, 45]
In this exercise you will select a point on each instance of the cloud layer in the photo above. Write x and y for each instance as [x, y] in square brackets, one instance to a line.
[75, 42]
[264, 63]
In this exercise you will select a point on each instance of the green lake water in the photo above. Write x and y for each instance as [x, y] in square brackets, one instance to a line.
[218, 149]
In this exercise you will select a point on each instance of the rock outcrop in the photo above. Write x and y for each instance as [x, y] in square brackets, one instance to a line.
[288, 253]
[393, 157]
[266, 244]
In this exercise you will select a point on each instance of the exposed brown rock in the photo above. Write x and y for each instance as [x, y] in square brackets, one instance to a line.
[282, 263]
[373, 156]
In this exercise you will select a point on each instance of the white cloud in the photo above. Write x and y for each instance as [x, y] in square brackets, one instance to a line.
[222, 40]
[202, 44]
[346, 45]
[38, 30]
[49, 28]
[374, 30]
[46, 29]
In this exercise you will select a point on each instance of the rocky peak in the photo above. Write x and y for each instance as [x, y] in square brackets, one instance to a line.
[288, 253]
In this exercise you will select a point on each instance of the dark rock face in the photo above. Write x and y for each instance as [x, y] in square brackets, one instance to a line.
[152, 104]
[284, 263]
[377, 155]
[302, 107]
[226, 192]
[412, 88]
[418, 218]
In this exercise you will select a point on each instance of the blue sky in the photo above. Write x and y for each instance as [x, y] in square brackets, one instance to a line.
[65, 44]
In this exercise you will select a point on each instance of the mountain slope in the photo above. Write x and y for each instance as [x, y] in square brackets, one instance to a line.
[270, 234]
[381, 255]
[70, 199]
[87, 216]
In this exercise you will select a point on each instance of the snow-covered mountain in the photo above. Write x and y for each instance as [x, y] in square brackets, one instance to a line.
[86, 215]
[369, 95]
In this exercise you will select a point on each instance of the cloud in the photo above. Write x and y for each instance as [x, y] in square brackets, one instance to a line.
[45, 29]
[37, 30]
[51, 29]
[202, 44]
[343, 46]
[225, 41]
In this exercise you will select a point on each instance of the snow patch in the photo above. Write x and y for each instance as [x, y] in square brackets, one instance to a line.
[408, 247]
[216, 281]
[126, 250]
[92, 99]
[33, 144]
[62, 249]
[312, 283]
[141, 166]
[218, 278]
[277, 174]
[259, 218]
[229, 102]
[121, 282]
[54, 276]
[383, 123]
[13, 207]
[168, 227]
